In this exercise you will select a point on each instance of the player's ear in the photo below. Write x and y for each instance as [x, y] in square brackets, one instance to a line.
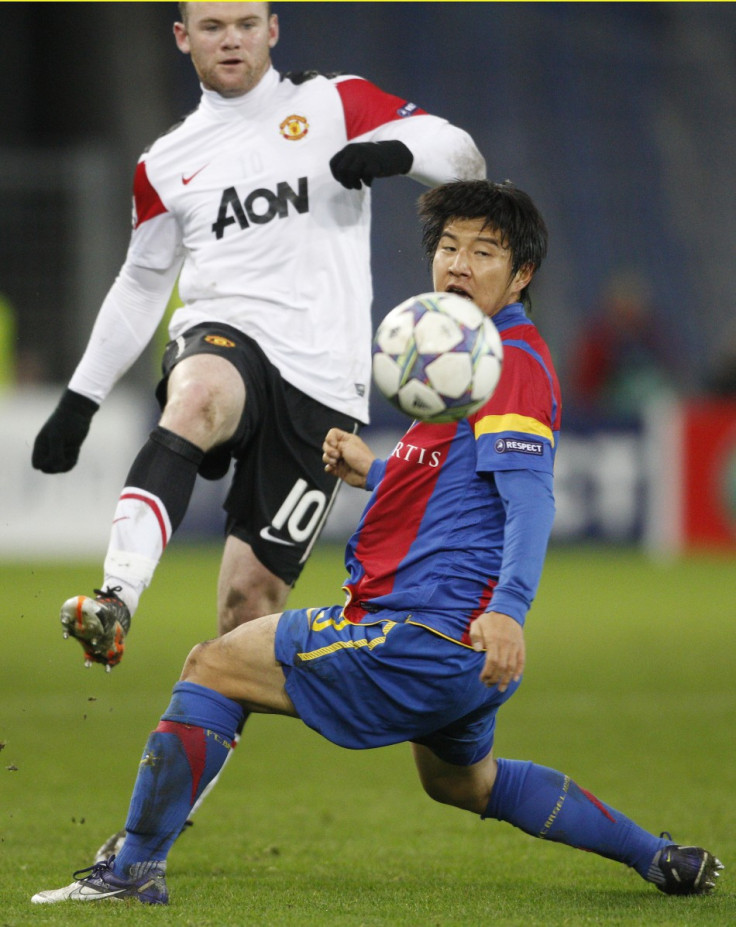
[523, 276]
[182, 38]
[273, 30]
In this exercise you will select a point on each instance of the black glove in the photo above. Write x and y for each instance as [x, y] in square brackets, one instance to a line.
[57, 444]
[362, 161]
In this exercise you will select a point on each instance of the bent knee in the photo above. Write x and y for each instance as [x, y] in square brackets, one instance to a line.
[194, 402]
[203, 663]
[436, 794]
[467, 788]
[201, 408]
[441, 791]
[467, 799]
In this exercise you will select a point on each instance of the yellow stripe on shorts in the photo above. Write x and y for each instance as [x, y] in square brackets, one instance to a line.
[347, 645]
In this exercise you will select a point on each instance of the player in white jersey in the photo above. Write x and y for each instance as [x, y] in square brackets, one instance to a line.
[259, 203]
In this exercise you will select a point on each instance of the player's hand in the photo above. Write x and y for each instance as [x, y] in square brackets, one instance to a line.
[359, 162]
[347, 456]
[502, 638]
[57, 444]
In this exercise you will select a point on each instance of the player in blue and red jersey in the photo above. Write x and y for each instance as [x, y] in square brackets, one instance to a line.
[442, 570]
[433, 537]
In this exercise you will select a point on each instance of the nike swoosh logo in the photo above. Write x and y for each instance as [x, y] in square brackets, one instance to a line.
[267, 536]
[190, 178]
[84, 893]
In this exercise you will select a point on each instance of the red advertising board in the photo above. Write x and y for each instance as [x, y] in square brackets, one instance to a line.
[708, 470]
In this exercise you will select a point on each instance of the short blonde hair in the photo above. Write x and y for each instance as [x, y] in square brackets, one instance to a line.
[185, 15]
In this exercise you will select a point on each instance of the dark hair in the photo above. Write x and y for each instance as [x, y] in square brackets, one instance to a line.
[501, 206]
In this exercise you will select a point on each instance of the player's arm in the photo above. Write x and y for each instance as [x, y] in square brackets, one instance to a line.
[124, 326]
[528, 499]
[441, 152]
[347, 457]
[388, 135]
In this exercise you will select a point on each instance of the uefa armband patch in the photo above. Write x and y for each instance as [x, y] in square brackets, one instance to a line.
[407, 110]
[507, 445]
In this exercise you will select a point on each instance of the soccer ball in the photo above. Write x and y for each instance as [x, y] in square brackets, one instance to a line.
[437, 357]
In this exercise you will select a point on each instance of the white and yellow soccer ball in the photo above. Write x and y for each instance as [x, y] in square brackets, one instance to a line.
[437, 357]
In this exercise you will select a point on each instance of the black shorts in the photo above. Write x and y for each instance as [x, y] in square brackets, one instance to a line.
[280, 495]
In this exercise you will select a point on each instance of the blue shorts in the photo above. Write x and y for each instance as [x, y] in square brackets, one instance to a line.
[387, 682]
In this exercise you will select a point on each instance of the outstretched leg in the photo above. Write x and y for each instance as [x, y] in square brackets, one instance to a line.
[206, 398]
[547, 804]
[182, 756]
[205, 402]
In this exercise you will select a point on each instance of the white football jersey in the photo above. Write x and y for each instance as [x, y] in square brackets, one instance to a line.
[240, 201]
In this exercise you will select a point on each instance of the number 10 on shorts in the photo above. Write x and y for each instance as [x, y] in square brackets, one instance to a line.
[300, 512]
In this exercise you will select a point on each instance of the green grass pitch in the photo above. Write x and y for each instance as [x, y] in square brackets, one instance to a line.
[629, 688]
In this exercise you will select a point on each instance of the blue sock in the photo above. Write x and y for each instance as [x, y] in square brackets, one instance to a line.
[183, 754]
[548, 804]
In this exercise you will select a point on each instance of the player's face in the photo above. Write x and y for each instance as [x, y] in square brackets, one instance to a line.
[473, 260]
[230, 44]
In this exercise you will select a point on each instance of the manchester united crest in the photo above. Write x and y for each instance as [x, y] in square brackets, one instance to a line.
[294, 127]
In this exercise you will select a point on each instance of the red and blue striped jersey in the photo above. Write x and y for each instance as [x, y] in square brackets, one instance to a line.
[431, 540]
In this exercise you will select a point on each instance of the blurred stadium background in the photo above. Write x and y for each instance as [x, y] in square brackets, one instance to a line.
[619, 119]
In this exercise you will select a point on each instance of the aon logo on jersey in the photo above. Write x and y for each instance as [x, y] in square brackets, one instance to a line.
[260, 206]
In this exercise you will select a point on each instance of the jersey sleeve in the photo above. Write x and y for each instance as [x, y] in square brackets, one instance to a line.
[518, 427]
[441, 152]
[367, 107]
[156, 241]
[125, 324]
[137, 300]
[528, 500]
